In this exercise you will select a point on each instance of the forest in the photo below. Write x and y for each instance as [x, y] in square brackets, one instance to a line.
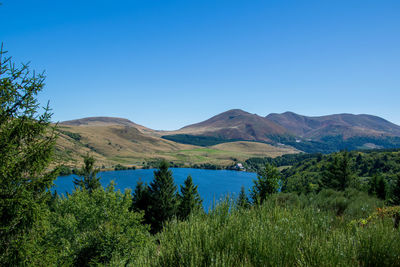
[340, 209]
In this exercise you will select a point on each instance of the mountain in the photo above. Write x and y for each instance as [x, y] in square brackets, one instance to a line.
[231, 125]
[346, 125]
[116, 140]
[105, 121]
[325, 134]
[322, 134]
[223, 139]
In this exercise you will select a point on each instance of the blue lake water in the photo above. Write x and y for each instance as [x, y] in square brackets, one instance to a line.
[212, 184]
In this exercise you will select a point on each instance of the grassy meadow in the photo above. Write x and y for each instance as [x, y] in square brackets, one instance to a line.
[287, 230]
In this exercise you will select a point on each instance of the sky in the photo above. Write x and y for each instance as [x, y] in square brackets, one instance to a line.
[166, 64]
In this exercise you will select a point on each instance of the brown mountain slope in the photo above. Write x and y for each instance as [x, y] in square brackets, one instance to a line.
[235, 124]
[347, 125]
[105, 121]
[119, 141]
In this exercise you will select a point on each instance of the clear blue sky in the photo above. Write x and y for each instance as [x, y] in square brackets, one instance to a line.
[166, 64]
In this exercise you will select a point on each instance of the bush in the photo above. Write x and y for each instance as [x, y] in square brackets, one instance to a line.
[95, 228]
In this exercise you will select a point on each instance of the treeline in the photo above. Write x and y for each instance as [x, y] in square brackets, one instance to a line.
[256, 164]
[330, 144]
[197, 140]
[365, 171]
[373, 171]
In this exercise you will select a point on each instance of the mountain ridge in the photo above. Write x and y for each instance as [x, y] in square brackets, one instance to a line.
[350, 125]
[318, 134]
[235, 124]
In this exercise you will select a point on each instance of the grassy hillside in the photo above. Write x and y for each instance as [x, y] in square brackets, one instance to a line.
[120, 144]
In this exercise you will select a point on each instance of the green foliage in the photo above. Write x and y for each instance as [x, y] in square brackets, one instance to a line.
[274, 234]
[189, 199]
[377, 186]
[120, 167]
[26, 147]
[395, 200]
[197, 140]
[338, 174]
[88, 173]
[93, 228]
[267, 183]
[351, 203]
[64, 170]
[163, 203]
[141, 197]
[256, 164]
[243, 201]
[308, 175]
[77, 137]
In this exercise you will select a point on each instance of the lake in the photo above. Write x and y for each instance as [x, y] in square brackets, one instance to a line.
[212, 184]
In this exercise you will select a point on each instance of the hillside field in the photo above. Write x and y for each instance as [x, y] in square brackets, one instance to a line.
[121, 144]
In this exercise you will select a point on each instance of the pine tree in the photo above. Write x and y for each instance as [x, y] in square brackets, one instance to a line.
[162, 192]
[26, 146]
[377, 186]
[243, 200]
[189, 199]
[88, 175]
[267, 183]
[141, 197]
[141, 201]
[381, 188]
[373, 184]
[396, 192]
[338, 175]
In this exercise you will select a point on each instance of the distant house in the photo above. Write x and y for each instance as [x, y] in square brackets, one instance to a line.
[239, 167]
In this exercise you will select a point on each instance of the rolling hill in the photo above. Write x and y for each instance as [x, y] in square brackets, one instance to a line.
[116, 140]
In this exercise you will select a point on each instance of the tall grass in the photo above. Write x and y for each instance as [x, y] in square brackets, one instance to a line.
[278, 233]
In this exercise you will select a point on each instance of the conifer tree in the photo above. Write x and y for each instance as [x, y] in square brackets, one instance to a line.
[88, 175]
[381, 188]
[373, 184]
[377, 186]
[267, 183]
[141, 197]
[162, 192]
[338, 175]
[189, 199]
[243, 200]
[26, 146]
[396, 192]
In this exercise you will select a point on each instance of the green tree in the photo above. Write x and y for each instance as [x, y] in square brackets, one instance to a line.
[163, 204]
[338, 174]
[396, 192]
[377, 186]
[141, 197]
[243, 200]
[93, 228]
[381, 188]
[26, 146]
[88, 175]
[189, 199]
[267, 183]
